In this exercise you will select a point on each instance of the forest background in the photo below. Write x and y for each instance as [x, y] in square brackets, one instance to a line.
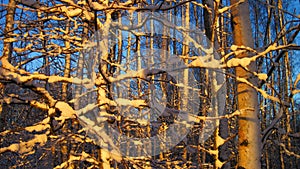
[72, 68]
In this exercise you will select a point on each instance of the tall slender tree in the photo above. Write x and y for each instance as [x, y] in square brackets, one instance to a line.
[249, 143]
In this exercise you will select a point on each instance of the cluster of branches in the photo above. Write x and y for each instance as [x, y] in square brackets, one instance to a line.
[43, 68]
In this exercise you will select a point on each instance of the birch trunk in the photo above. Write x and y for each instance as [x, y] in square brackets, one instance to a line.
[102, 86]
[7, 46]
[185, 52]
[249, 131]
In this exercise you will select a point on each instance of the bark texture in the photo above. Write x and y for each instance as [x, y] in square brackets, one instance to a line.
[249, 131]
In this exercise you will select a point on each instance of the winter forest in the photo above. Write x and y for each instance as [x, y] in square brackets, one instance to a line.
[134, 84]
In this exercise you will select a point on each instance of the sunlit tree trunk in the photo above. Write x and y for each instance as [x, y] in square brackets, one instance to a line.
[1, 102]
[128, 55]
[66, 144]
[213, 25]
[67, 67]
[185, 52]
[102, 86]
[151, 46]
[7, 46]
[284, 84]
[163, 84]
[249, 130]
[224, 124]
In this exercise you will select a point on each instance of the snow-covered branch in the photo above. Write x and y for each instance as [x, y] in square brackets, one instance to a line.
[126, 6]
[28, 78]
[26, 147]
[82, 157]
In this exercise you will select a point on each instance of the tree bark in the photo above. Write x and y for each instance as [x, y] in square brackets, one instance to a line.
[7, 48]
[7, 45]
[249, 131]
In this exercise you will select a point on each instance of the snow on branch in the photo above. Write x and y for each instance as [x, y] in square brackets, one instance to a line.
[295, 91]
[196, 118]
[202, 6]
[224, 9]
[262, 92]
[126, 6]
[19, 79]
[67, 112]
[39, 105]
[141, 74]
[82, 157]
[244, 62]
[134, 103]
[40, 126]
[201, 63]
[27, 147]
[14, 98]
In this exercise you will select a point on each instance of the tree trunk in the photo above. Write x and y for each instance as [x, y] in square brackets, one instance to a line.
[7, 45]
[102, 88]
[7, 50]
[249, 131]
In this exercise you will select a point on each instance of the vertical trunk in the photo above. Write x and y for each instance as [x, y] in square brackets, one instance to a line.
[208, 18]
[7, 46]
[277, 158]
[102, 87]
[5, 61]
[249, 131]
[185, 52]
[163, 84]
[66, 145]
[224, 124]
[285, 84]
[151, 45]
[213, 25]
[67, 67]
[129, 39]
[139, 67]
